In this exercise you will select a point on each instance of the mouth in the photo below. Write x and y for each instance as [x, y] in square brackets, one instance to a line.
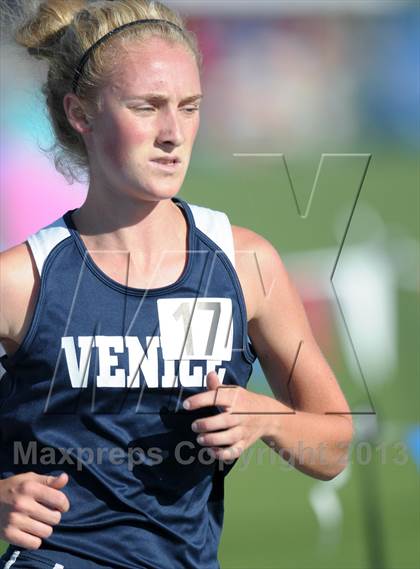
[168, 164]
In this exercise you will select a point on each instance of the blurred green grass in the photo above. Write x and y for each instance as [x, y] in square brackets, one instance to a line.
[269, 522]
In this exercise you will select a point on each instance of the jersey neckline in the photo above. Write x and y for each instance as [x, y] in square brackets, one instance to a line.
[94, 268]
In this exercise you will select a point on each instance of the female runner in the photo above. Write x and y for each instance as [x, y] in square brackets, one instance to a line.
[131, 323]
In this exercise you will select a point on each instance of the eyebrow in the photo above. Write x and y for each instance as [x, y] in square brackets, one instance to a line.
[156, 97]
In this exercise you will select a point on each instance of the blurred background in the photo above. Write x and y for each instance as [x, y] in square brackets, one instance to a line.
[310, 134]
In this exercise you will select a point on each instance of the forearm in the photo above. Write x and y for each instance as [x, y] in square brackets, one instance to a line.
[316, 444]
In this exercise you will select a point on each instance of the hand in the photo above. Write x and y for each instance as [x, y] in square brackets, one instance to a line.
[30, 504]
[238, 426]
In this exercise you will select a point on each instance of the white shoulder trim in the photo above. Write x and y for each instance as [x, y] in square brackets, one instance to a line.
[43, 241]
[216, 225]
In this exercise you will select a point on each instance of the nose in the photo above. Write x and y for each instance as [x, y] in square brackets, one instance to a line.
[170, 129]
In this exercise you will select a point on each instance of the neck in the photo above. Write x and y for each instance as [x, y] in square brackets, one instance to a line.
[150, 226]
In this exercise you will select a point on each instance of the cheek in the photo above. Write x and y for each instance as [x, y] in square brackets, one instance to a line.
[122, 140]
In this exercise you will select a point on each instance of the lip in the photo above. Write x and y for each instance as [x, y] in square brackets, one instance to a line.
[168, 167]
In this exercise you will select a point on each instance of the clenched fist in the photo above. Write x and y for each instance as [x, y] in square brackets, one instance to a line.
[30, 505]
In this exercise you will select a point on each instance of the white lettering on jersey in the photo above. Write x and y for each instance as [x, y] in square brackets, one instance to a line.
[78, 372]
[107, 361]
[190, 329]
[139, 360]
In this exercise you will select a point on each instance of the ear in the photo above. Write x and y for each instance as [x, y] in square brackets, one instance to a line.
[76, 114]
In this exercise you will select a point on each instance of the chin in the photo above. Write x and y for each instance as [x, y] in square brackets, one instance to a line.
[165, 188]
[159, 192]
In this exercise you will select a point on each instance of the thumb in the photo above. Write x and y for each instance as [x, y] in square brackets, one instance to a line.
[213, 381]
[55, 481]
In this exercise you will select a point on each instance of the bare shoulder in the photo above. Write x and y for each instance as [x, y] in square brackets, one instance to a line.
[19, 281]
[258, 265]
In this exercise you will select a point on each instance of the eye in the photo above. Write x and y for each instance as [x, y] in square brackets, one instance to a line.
[141, 109]
[191, 110]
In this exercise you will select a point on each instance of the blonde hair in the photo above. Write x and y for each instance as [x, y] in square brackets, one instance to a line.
[61, 31]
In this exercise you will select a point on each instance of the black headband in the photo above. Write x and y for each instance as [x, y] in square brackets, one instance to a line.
[88, 52]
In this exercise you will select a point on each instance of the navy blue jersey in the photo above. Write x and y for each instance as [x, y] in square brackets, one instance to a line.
[96, 390]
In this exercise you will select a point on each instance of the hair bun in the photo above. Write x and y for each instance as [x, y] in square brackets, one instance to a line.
[44, 28]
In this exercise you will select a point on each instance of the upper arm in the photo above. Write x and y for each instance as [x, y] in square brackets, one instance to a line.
[289, 355]
[19, 283]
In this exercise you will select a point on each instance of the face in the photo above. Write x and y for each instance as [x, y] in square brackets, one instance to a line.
[149, 115]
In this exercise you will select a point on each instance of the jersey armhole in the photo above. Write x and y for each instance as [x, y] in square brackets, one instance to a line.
[251, 349]
[42, 251]
[30, 330]
[248, 349]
